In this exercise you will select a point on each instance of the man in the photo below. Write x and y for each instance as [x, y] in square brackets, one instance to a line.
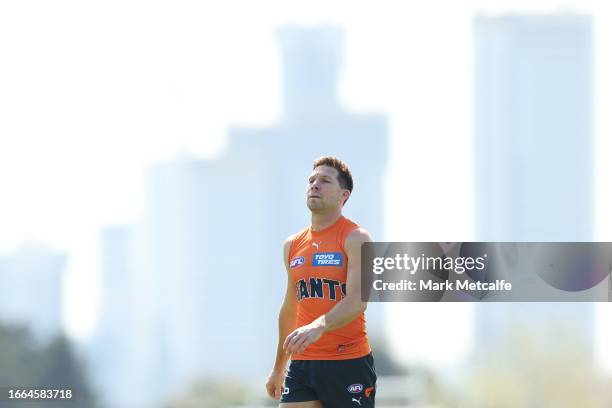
[321, 321]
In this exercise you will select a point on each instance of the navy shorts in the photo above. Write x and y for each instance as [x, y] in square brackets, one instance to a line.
[336, 383]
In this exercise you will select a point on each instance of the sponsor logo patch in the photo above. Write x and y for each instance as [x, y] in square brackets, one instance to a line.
[342, 347]
[297, 261]
[355, 388]
[327, 259]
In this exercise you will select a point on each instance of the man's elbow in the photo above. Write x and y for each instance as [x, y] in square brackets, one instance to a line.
[359, 306]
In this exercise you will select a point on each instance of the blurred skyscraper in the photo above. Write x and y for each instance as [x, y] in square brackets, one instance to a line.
[114, 354]
[533, 152]
[208, 270]
[31, 281]
[533, 128]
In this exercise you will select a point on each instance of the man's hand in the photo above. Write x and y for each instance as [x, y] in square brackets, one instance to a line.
[274, 385]
[302, 337]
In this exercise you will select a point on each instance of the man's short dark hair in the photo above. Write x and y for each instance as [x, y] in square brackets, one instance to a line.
[345, 178]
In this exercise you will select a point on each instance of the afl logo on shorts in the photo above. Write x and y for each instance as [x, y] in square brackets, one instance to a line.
[297, 261]
[355, 388]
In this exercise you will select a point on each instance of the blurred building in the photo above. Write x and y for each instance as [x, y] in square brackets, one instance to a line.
[207, 275]
[113, 352]
[533, 153]
[31, 287]
[533, 128]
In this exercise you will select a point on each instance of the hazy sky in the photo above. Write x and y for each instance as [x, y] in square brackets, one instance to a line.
[92, 92]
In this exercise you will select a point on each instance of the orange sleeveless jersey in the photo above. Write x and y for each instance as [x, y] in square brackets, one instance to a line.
[317, 264]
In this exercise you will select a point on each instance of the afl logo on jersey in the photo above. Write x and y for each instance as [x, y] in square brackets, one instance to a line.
[327, 259]
[355, 388]
[296, 261]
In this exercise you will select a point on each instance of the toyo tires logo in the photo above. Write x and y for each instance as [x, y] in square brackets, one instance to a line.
[327, 259]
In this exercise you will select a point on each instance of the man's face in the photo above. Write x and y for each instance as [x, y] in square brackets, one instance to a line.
[324, 191]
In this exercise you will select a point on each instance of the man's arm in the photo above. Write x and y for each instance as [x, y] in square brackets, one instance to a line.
[346, 310]
[286, 324]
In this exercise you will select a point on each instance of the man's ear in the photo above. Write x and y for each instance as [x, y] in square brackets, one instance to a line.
[345, 195]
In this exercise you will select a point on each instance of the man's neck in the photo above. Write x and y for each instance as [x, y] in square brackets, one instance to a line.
[321, 221]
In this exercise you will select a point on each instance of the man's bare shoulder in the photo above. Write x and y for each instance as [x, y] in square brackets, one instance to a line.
[357, 237]
[287, 247]
[288, 240]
